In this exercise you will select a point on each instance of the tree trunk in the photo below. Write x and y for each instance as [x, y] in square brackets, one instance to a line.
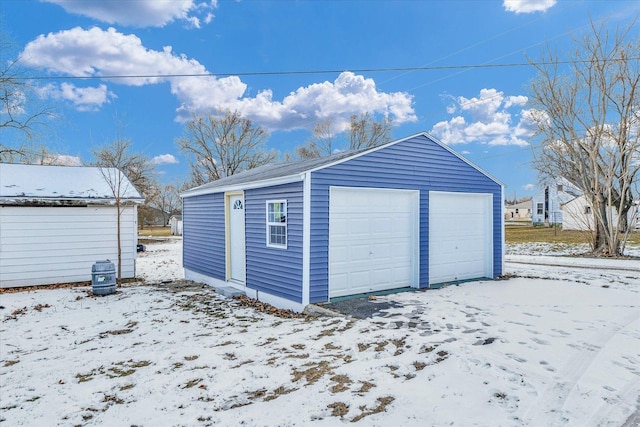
[119, 278]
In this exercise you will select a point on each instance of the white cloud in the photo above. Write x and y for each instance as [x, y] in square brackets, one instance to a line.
[164, 159]
[486, 119]
[528, 6]
[84, 98]
[465, 152]
[529, 187]
[96, 52]
[142, 13]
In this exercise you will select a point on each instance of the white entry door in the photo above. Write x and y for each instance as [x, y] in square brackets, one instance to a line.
[373, 240]
[235, 239]
[460, 236]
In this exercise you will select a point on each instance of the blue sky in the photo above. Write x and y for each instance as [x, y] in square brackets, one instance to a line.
[254, 49]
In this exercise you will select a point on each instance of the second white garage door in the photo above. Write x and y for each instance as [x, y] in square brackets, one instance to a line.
[373, 240]
[460, 236]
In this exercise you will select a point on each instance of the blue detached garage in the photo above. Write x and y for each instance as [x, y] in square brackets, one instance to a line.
[410, 213]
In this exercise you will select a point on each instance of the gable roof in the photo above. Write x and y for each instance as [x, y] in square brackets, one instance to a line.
[21, 184]
[272, 174]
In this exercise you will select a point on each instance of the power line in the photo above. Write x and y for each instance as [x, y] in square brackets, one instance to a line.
[303, 72]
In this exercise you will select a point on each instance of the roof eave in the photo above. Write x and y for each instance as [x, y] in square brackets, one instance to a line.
[287, 179]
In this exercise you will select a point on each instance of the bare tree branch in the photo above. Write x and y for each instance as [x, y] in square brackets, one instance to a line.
[588, 123]
[223, 145]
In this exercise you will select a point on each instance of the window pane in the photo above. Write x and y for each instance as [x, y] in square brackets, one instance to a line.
[277, 234]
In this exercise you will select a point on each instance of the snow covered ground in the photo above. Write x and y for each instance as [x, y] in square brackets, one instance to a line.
[555, 346]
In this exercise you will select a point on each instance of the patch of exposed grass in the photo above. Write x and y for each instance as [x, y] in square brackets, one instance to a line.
[348, 325]
[246, 362]
[381, 345]
[383, 402]
[330, 346]
[442, 355]
[362, 346]
[10, 363]
[338, 409]
[342, 383]
[419, 365]
[154, 231]
[313, 373]
[525, 234]
[278, 392]
[192, 383]
[190, 358]
[366, 386]
[326, 333]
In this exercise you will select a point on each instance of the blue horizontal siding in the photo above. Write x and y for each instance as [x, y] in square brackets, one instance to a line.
[203, 235]
[414, 164]
[272, 270]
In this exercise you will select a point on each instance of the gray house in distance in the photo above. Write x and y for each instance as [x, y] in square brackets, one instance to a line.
[408, 214]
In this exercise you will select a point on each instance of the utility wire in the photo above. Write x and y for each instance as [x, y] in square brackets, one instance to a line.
[302, 72]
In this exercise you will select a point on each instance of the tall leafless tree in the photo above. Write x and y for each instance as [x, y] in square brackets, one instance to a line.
[587, 111]
[223, 145]
[20, 113]
[117, 163]
[365, 132]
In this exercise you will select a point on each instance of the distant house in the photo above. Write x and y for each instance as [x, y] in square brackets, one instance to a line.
[546, 205]
[176, 225]
[57, 221]
[577, 214]
[411, 213]
[520, 211]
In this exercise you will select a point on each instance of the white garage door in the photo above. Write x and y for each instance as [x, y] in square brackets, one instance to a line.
[460, 236]
[373, 240]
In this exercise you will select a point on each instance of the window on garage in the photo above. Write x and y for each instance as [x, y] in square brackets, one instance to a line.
[277, 224]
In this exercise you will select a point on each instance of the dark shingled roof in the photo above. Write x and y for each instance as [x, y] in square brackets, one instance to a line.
[276, 170]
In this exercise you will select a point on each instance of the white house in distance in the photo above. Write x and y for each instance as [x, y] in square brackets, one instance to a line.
[547, 204]
[518, 211]
[577, 214]
[57, 221]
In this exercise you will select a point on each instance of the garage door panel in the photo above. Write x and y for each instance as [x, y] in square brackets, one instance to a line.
[460, 236]
[376, 249]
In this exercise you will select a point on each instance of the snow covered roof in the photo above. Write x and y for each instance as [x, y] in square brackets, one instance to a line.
[20, 184]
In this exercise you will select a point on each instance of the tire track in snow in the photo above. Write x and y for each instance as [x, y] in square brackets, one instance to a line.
[554, 396]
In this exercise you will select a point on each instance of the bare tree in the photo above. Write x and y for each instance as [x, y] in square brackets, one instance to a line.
[363, 132]
[17, 112]
[322, 142]
[366, 132]
[223, 145]
[166, 198]
[117, 163]
[587, 114]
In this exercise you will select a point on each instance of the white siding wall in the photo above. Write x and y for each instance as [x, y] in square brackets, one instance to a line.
[46, 245]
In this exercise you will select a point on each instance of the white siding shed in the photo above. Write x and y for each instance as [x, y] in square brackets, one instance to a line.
[56, 221]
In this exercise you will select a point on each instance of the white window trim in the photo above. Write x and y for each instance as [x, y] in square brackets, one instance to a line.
[285, 223]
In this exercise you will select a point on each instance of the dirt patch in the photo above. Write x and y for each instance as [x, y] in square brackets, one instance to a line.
[268, 308]
[383, 402]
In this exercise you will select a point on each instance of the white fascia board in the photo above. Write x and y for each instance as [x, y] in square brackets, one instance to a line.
[425, 134]
[306, 239]
[244, 186]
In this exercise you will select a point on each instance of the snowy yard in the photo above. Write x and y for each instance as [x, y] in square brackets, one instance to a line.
[558, 345]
